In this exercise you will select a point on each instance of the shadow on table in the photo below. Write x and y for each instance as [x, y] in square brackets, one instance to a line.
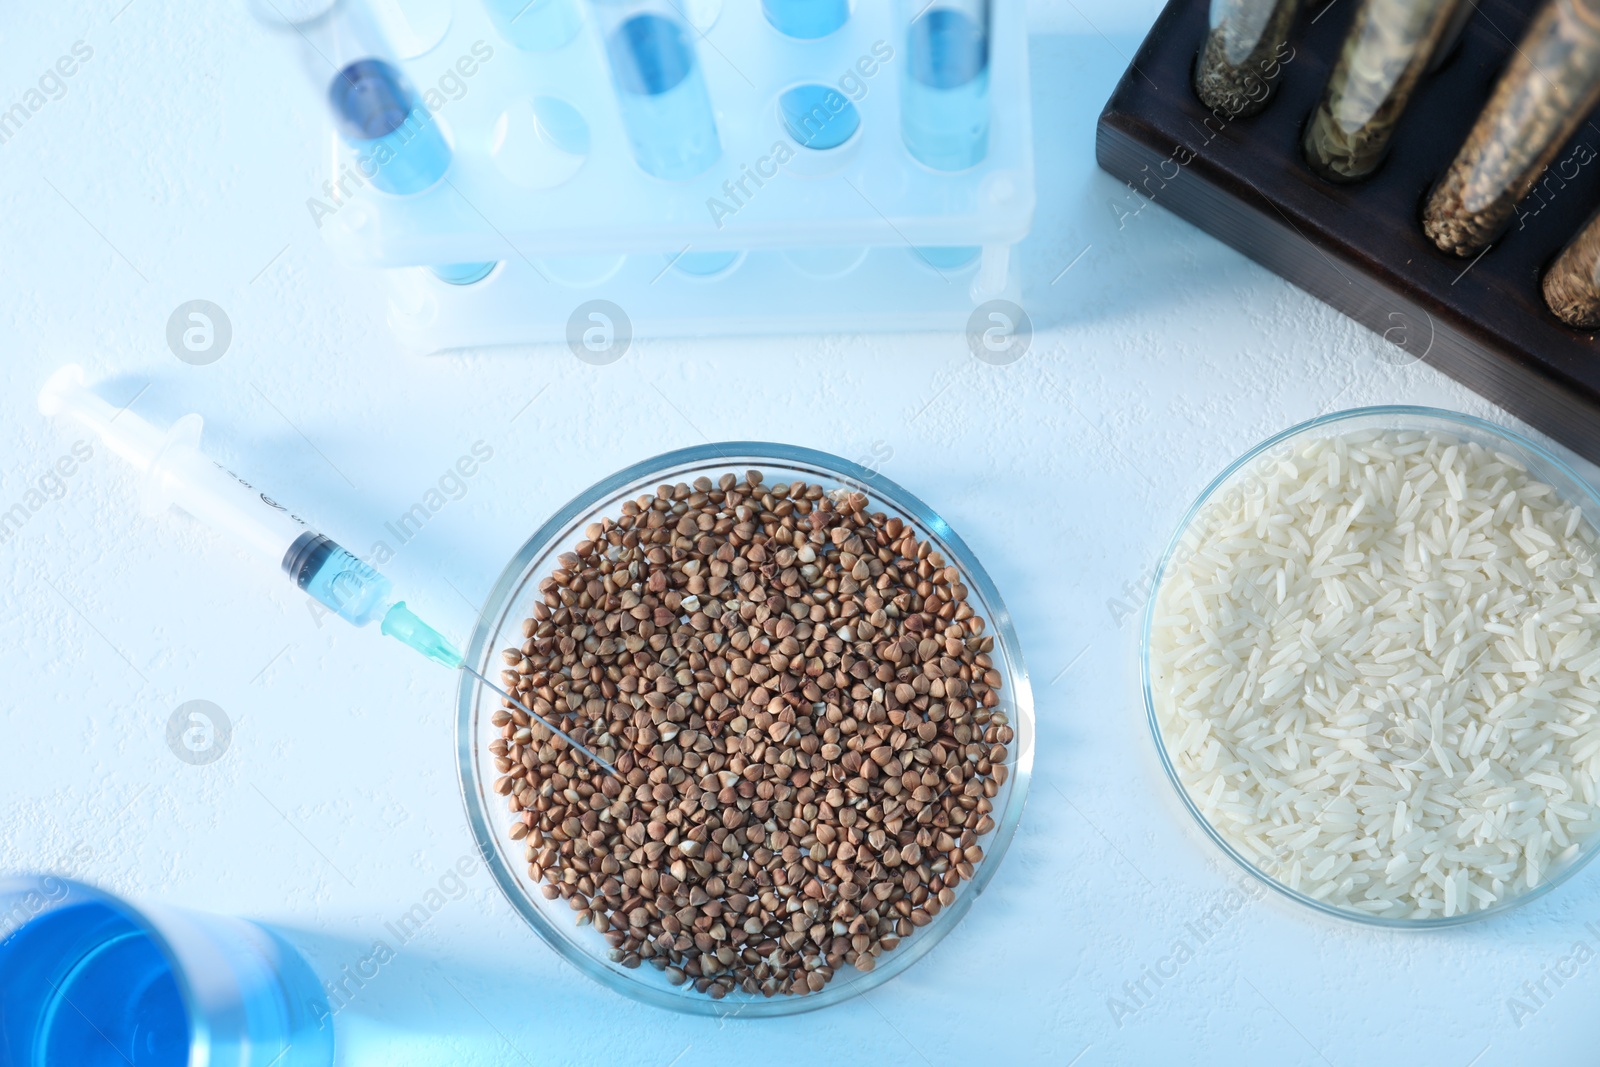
[1100, 252]
[387, 995]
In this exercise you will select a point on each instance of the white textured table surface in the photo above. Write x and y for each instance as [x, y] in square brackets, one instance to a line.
[175, 165]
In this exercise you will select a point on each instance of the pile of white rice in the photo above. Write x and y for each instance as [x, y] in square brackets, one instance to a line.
[1376, 666]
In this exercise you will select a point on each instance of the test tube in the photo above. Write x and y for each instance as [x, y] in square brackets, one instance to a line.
[90, 980]
[660, 87]
[1389, 46]
[535, 25]
[398, 144]
[806, 19]
[1549, 88]
[1244, 54]
[1572, 284]
[944, 82]
[1452, 35]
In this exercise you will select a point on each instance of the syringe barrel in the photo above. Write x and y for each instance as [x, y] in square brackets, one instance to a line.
[337, 579]
[174, 470]
[177, 473]
[319, 566]
[129, 436]
[188, 478]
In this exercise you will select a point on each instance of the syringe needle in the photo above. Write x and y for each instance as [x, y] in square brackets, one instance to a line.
[541, 720]
[403, 625]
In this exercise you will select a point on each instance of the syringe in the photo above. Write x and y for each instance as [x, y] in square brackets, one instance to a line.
[177, 473]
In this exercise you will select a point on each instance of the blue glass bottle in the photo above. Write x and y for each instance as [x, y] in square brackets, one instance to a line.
[944, 84]
[660, 88]
[86, 980]
[117, 1002]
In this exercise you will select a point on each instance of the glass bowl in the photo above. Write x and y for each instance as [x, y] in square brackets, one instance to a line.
[1541, 464]
[512, 601]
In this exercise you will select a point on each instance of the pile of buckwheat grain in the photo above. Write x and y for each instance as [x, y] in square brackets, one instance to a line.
[803, 714]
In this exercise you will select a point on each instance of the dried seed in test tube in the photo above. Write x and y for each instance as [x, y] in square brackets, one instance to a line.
[1550, 86]
[1243, 54]
[1389, 46]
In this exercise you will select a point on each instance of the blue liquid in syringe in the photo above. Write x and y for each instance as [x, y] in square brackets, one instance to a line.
[398, 144]
[663, 97]
[944, 103]
[806, 19]
[101, 989]
[335, 578]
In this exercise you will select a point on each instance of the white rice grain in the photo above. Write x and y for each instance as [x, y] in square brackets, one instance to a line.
[1376, 672]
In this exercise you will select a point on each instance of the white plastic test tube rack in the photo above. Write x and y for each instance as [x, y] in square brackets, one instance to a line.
[772, 237]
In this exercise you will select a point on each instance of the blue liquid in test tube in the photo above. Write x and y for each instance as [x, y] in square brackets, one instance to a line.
[818, 116]
[398, 145]
[944, 85]
[806, 19]
[952, 258]
[535, 25]
[463, 273]
[661, 90]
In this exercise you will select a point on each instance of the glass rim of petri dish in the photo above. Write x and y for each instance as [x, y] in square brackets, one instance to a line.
[502, 616]
[1541, 463]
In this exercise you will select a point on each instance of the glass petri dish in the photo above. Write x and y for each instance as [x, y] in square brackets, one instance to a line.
[511, 601]
[1541, 463]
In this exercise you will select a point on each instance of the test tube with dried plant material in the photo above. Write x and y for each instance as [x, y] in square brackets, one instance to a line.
[1549, 88]
[1453, 34]
[1389, 46]
[1243, 54]
[1572, 284]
